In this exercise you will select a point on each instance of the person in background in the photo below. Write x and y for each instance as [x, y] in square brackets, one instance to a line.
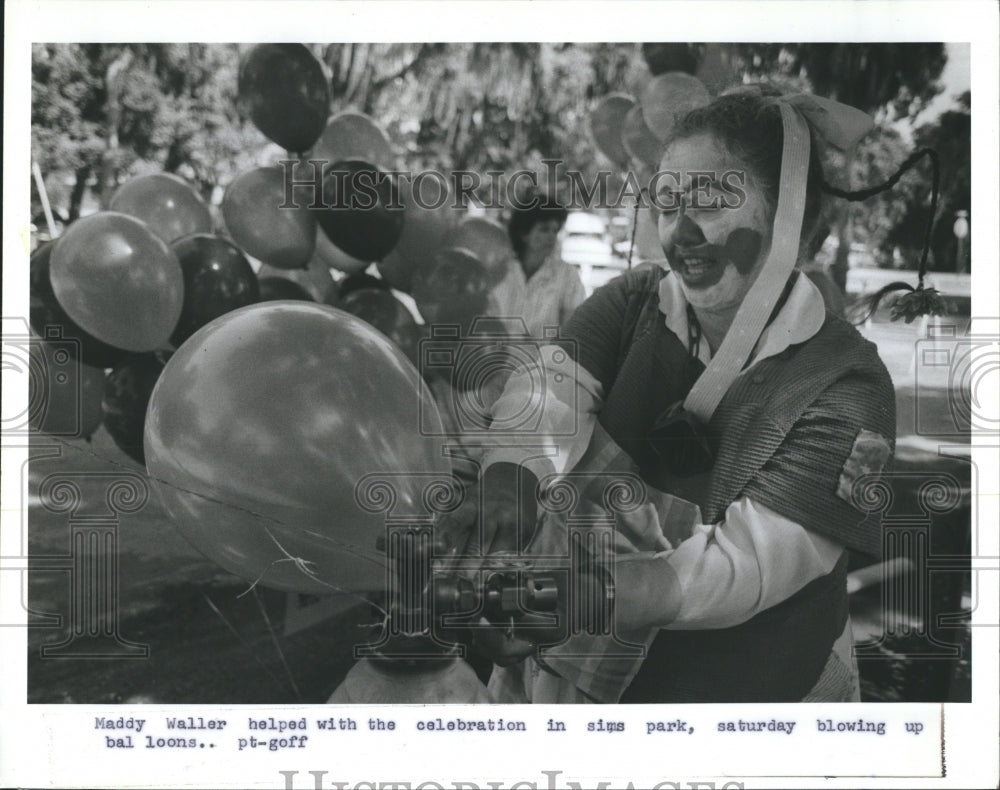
[544, 290]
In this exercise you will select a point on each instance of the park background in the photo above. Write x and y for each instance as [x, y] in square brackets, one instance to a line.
[106, 113]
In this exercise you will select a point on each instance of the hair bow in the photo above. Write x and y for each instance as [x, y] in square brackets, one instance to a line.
[839, 125]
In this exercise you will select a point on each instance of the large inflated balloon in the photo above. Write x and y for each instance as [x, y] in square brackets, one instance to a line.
[217, 278]
[118, 280]
[49, 320]
[126, 397]
[386, 313]
[263, 425]
[273, 289]
[353, 135]
[166, 203]
[488, 241]
[252, 207]
[283, 89]
[64, 394]
[669, 96]
[429, 206]
[452, 288]
[641, 144]
[364, 215]
[606, 123]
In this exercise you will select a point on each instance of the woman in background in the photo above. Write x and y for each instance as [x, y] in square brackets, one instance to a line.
[544, 290]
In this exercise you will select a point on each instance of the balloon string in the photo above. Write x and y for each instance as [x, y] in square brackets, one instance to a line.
[277, 646]
[345, 547]
[242, 640]
[299, 562]
[302, 565]
[635, 225]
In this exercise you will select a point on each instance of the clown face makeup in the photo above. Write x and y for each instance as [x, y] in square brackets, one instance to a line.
[715, 223]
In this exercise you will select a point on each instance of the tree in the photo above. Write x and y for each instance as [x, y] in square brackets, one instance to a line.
[950, 136]
[484, 107]
[67, 114]
[104, 112]
[890, 81]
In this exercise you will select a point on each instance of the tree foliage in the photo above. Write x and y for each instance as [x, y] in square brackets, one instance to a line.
[104, 112]
[950, 136]
[889, 81]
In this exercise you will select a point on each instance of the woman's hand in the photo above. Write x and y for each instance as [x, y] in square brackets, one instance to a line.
[510, 510]
[501, 508]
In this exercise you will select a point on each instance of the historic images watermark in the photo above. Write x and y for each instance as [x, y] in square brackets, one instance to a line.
[93, 503]
[931, 515]
[317, 780]
[320, 184]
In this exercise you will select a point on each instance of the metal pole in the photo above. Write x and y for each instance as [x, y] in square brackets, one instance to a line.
[44, 195]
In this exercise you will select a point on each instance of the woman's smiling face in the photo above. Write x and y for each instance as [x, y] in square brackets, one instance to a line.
[715, 224]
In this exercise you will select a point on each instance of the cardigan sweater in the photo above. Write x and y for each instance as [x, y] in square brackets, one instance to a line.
[783, 435]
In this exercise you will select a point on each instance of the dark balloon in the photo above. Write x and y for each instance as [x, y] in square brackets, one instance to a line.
[364, 217]
[262, 429]
[353, 282]
[329, 255]
[606, 126]
[283, 89]
[126, 396]
[166, 203]
[397, 270]
[118, 280]
[663, 57]
[217, 278]
[452, 288]
[49, 320]
[275, 288]
[64, 394]
[252, 208]
[378, 307]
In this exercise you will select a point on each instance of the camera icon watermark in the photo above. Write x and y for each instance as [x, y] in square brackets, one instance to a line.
[50, 366]
[498, 379]
[954, 375]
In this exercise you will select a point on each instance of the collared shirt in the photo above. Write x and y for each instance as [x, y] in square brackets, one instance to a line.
[800, 318]
[546, 299]
[729, 571]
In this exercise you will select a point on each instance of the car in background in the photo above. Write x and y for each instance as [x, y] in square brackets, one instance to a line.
[586, 244]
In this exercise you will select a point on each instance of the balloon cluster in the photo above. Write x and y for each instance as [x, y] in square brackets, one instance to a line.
[631, 132]
[207, 357]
